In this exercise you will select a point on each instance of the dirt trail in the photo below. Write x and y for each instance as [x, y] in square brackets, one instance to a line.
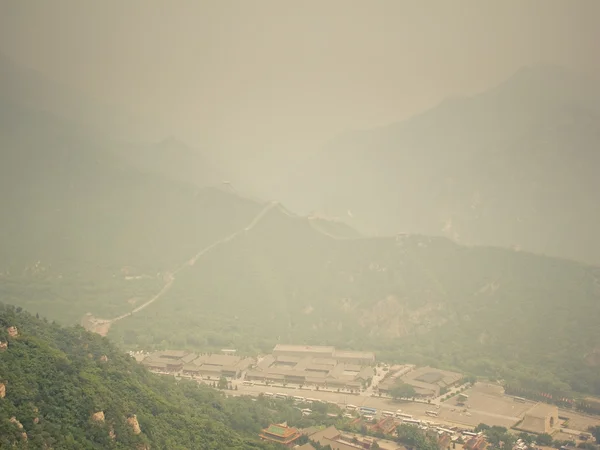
[101, 326]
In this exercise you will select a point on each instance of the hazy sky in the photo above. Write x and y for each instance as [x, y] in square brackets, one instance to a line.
[288, 74]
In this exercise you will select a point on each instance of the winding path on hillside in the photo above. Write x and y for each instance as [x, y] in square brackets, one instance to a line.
[101, 326]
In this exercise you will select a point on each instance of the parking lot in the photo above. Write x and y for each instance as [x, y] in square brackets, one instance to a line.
[446, 413]
[486, 404]
[580, 422]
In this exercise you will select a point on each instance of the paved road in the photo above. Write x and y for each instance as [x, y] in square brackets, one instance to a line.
[446, 416]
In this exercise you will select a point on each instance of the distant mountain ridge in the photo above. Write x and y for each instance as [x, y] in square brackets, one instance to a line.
[513, 166]
[79, 197]
[77, 217]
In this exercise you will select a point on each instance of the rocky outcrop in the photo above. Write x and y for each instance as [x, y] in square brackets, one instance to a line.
[2, 390]
[3, 345]
[134, 424]
[104, 358]
[19, 425]
[14, 420]
[98, 416]
[12, 331]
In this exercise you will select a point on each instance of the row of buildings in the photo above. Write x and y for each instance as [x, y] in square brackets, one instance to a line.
[319, 351]
[426, 381]
[318, 366]
[294, 364]
[339, 440]
[197, 365]
[330, 436]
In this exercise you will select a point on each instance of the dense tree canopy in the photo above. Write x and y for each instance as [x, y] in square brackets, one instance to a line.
[402, 390]
[70, 389]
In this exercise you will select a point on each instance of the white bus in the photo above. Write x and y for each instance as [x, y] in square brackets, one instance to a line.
[432, 413]
[412, 421]
[469, 433]
[387, 413]
[403, 416]
[297, 398]
[351, 407]
[520, 399]
[248, 383]
[268, 394]
[281, 396]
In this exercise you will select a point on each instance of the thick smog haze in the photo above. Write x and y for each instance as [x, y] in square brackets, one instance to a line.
[237, 225]
[264, 77]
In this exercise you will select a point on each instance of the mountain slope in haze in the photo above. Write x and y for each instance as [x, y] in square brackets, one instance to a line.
[65, 388]
[485, 310]
[68, 198]
[74, 212]
[174, 160]
[515, 166]
[169, 157]
[35, 91]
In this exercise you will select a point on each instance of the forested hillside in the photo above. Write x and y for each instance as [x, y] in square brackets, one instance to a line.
[488, 311]
[66, 389]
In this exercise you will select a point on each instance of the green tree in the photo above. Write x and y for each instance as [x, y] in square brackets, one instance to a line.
[526, 437]
[481, 427]
[402, 390]
[544, 439]
[413, 437]
[222, 383]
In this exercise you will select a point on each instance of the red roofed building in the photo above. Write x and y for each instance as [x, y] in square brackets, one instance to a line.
[280, 433]
[387, 425]
[476, 443]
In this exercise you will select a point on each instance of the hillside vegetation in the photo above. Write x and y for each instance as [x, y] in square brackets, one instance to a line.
[488, 311]
[66, 389]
